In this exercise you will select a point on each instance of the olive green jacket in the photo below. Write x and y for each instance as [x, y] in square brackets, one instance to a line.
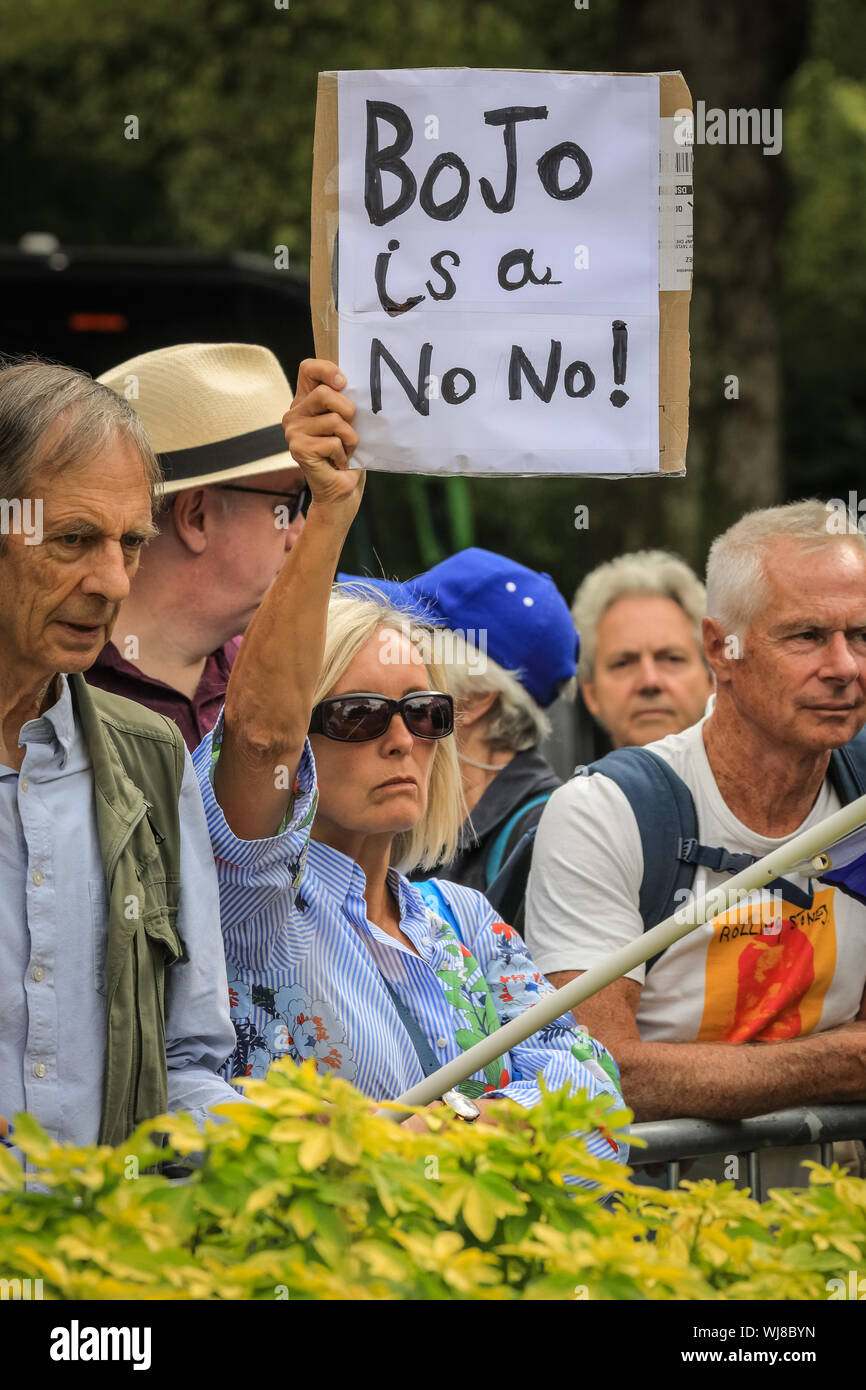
[137, 759]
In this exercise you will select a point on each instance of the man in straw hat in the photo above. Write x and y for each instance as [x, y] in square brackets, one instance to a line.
[233, 500]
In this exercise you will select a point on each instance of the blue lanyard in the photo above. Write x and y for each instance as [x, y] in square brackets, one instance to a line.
[426, 1056]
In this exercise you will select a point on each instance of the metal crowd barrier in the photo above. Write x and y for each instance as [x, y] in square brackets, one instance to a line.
[673, 1142]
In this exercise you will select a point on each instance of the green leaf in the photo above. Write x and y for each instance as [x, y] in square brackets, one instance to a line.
[453, 978]
[32, 1139]
[360, 1208]
[479, 1212]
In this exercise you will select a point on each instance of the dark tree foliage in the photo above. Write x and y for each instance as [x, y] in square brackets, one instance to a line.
[224, 95]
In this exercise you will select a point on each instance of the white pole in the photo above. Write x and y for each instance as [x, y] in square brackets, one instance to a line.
[803, 847]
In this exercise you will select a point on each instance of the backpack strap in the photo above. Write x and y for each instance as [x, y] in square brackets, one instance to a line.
[667, 821]
[721, 861]
[665, 813]
[438, 903]
[507, 892]
[496, 855]
[666, 818]
[847, 770]
[426, 1056]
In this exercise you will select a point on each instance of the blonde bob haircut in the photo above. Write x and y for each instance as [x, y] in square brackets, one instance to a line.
[355, 614]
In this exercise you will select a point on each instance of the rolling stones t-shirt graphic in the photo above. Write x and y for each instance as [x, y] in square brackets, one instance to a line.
[782, 963]
[767, 980]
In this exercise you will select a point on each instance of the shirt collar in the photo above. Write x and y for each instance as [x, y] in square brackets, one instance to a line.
[212, 681]
[56, 725]
[412, 906]
[343, 879]
[340, 874]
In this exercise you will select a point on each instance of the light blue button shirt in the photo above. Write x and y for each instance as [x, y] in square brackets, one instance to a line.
[53, 936]
[309, 973]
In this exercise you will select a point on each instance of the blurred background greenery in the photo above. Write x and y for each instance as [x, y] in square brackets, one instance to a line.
[225, 95]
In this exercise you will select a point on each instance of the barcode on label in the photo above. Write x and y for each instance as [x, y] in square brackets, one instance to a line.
[683, 161]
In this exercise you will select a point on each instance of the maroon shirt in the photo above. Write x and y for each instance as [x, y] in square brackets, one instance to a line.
[195, 717]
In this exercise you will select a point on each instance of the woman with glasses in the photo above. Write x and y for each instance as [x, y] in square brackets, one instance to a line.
[331, 774]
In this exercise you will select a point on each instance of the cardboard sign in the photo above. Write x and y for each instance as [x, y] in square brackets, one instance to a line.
[493, 294]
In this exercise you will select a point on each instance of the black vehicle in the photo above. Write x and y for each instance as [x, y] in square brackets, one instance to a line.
[94, 307]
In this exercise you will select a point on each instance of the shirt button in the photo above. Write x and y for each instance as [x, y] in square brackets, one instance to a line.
[39, 1069]
[441, 1042]
[38, 972]
[37, 877]
[25, 785]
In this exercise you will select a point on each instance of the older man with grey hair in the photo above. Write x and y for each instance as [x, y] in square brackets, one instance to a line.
[642, 671]
[786, 641]
[113, 995]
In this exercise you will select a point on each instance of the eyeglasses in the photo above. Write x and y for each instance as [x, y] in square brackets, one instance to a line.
[360, 717]
[294, 501]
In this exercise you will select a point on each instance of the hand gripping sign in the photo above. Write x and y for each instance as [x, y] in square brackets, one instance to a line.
[486, 269]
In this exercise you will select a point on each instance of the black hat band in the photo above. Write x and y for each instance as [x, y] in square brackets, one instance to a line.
[225, 453]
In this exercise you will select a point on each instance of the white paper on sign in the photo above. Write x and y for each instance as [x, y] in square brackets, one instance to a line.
[497, 276]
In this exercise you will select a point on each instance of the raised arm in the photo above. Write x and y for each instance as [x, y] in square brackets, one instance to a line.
[270, 692]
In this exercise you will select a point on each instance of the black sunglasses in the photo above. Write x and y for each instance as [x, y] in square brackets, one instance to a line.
[360, 717]
[295, 501]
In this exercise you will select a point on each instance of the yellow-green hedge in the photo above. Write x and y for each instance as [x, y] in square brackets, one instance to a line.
[311, 1196]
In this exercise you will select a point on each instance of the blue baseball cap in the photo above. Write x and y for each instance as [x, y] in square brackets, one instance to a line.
[528, 626]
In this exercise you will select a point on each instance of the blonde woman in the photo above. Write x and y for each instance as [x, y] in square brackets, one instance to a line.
[331, 774]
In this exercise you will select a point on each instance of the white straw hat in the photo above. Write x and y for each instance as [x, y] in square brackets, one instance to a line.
[212, 410]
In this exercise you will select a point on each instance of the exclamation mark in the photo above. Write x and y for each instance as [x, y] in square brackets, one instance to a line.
[620, 356]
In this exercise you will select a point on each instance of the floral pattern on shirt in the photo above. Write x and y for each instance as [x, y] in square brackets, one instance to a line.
[240, 994]
[299, 1027]
[519, 985]
[587, 1051]
[322, 943]
[466, 989]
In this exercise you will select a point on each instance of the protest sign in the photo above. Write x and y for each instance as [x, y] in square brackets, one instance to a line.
[486, 269]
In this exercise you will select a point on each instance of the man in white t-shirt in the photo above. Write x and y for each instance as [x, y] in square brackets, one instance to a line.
[787, 643]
